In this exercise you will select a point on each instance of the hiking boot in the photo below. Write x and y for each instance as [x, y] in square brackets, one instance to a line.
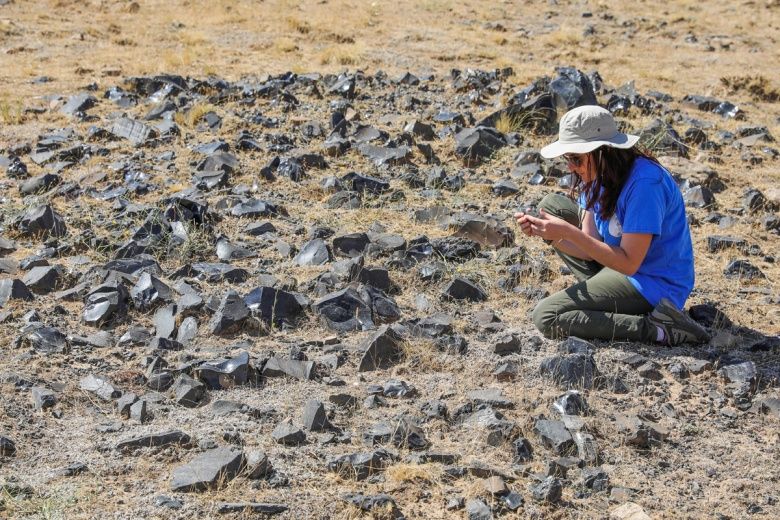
[677, 325]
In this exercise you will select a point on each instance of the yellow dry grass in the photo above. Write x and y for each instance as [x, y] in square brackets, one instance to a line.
[78, 42]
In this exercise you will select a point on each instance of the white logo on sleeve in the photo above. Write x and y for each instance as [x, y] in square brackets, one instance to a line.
[615, 228]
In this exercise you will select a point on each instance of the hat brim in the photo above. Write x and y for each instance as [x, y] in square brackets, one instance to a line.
[559, 148]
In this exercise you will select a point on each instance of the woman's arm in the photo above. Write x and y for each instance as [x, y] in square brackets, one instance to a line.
[625, 258]
[589, 228]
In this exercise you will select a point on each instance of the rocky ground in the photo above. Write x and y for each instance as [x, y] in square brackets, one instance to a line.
[302, 295]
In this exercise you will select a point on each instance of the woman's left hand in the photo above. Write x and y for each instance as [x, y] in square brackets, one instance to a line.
[546, 226]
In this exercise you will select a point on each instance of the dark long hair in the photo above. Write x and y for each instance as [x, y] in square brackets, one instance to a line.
[612, 168]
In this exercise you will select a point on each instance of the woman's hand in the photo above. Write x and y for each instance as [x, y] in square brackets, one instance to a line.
[545, 225]
[523, 222]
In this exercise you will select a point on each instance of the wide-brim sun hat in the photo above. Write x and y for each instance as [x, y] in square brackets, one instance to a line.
[585, 128]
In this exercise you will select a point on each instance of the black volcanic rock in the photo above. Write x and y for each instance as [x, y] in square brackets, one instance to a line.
[382, 350]
[463, 289]
[274, 305]
[344, 310]
[13, 289]
[229, 317]
[42, 221]
[476, 145]
[570, 371]
[226, 373]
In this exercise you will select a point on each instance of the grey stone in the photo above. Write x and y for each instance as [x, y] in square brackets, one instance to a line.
[230, 315]
[595, 479]
[100, 387]
[743, 270]
[42, 221]
[138, 411]
[345, 310]
[382, 350]
[187, 331]
[491, 396]
[226, 373]
[513, 501]
[475, 145]
[360, 466]
[344, 400]
[314, 252]
[570, 371]
[134, 131]
[351, 245]
[44, 279]
[149, 291]
[476, 509]
[385, 155]
[640, 432]
[288, 434]
[549, 490]
[123, 404]
[314, 417]
[154, 440]
[39, 184]
[499, 430]
[209, 470]
[167, 502]
[571, 403]
[587, 448]
[554, 436]
[105, 303]
[7, 447]
[258, 508]
[771, 406]
[359, 183]
[275, 305]
[214, 272]
[79, 103]
[227, 250]
[463, 289]
[744, 372]
[257, 465]
[521, 450]
[280, 367]
[506, 344]
[43, 398]
[717, 243]
[13, 289]
[188, 392]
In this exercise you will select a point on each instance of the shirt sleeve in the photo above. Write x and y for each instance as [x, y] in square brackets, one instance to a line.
[644, 205]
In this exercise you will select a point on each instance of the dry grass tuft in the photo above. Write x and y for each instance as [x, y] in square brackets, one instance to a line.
[192, 117]
[285, 45]
[758, 87]
[414, 473]
[564, 36]
[341, 55]
[176, 59]
[297, 25]
[423, 355]
[11, 111]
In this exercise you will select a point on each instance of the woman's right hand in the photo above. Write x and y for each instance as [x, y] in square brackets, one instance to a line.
[524, 223]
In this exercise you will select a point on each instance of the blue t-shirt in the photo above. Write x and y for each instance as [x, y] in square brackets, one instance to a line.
[651, 202]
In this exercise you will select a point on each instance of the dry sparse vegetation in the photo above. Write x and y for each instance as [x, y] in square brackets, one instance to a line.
[719, 459]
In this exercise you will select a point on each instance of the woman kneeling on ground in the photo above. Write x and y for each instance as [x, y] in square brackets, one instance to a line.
[626, 240]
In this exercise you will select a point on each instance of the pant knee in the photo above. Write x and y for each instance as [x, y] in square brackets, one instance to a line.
[551, 203]
[543, 317]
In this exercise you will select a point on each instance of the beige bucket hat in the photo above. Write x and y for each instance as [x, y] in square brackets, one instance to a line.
[585, 128]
